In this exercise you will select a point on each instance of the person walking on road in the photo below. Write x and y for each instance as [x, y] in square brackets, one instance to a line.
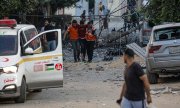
[74, 36]
[82, 40]
[136, 84]
[90, 38]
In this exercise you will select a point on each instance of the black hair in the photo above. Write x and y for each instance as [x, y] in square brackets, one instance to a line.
[90, 22]
[129, 52]
[74, 21]
[81, 22]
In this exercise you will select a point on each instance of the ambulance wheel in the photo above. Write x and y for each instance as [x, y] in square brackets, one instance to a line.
[153, 78]
[37, 90]
[22, 97]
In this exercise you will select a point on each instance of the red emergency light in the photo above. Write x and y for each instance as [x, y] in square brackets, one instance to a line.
[8, 23]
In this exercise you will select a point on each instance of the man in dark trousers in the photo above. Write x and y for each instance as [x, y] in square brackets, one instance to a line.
[90, 38]
[74, 38]
[82, 40]
[136, 84]
[50, 37]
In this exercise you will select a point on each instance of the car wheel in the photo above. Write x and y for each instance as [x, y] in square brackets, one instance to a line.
[153, 78]
[22, 97]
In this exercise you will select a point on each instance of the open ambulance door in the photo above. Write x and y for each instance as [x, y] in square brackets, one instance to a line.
[44, 69]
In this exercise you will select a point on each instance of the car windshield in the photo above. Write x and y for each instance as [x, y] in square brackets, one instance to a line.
[167, 34]
[8, 45]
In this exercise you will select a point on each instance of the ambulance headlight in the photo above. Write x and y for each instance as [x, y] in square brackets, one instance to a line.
[10, 69]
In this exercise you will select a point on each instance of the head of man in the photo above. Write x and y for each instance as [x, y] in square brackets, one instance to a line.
[81, 22]
[128, 55]
[46, 22]
[74, 23]
[84, 11]
[90, 23]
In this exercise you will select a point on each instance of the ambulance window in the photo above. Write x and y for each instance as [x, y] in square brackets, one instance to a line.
[22, 39]
[30, 33]
[35, 44]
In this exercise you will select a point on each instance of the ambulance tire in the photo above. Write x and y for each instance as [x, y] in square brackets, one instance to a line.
[37, 90]
[22, 97]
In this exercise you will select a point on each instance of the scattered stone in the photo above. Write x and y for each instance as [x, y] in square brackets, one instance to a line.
[99, 68]
[165, 90]
[90, 69]
[105, 81]
[108, 58]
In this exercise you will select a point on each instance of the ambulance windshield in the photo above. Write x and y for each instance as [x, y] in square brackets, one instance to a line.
[8, 45]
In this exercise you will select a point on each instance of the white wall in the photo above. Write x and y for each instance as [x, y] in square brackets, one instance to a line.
[70, 11]
[76, 11]
[84, 6]
[114, 5]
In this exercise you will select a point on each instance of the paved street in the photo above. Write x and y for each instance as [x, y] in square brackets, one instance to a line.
[95, 85]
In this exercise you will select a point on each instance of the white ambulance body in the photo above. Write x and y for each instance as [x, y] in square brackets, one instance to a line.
[24, 66]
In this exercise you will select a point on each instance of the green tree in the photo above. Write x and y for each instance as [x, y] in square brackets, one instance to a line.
[163, 11]
[27, 6]
[13, 6]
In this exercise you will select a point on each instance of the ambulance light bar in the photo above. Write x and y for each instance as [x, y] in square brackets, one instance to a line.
[8, 23]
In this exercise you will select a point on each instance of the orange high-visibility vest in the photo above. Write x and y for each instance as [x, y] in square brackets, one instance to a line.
[90, 37]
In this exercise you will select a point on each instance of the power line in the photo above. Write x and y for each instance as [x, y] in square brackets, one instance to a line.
[118, 5]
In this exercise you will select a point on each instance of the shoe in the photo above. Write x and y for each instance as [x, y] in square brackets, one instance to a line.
[75, 61]
[89, 61]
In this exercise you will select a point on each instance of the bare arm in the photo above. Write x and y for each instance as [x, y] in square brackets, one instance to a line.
[122, 93]
[147, 88]
[123, 90]
[65, 34]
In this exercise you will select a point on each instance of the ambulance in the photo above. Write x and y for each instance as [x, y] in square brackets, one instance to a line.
[24, 65]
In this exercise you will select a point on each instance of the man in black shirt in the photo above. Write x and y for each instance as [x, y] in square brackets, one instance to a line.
[50, 37]
[136, 84]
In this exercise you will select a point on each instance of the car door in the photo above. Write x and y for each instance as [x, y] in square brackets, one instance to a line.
[44, 70]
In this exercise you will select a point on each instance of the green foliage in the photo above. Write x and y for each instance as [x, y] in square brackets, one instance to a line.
[14, 6]
[163, 11]
[27, 6]
[7, 6]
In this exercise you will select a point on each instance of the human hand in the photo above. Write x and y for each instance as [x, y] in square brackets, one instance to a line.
[149, 99]
[119, 101]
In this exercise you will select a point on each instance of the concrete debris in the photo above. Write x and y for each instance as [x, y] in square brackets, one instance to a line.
[114, 52]
[108, 58]
[165, 90]
[99, 68]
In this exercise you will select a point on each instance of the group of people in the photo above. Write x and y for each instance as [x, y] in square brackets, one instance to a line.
[82, 37]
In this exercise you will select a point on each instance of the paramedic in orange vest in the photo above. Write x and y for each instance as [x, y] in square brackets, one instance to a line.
[90, 38]
[74, 36]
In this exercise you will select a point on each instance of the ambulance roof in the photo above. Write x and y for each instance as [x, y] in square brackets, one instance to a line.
[13, 31]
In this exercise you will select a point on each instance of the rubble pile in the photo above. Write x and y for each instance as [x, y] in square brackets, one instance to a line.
[165, 90]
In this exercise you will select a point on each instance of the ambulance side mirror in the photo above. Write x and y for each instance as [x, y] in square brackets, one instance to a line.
[29, 51]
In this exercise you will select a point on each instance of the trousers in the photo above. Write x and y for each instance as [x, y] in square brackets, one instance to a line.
[90, 49]
[76, 49]
[132, 104]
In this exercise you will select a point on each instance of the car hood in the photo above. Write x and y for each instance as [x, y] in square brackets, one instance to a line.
[6, 61]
